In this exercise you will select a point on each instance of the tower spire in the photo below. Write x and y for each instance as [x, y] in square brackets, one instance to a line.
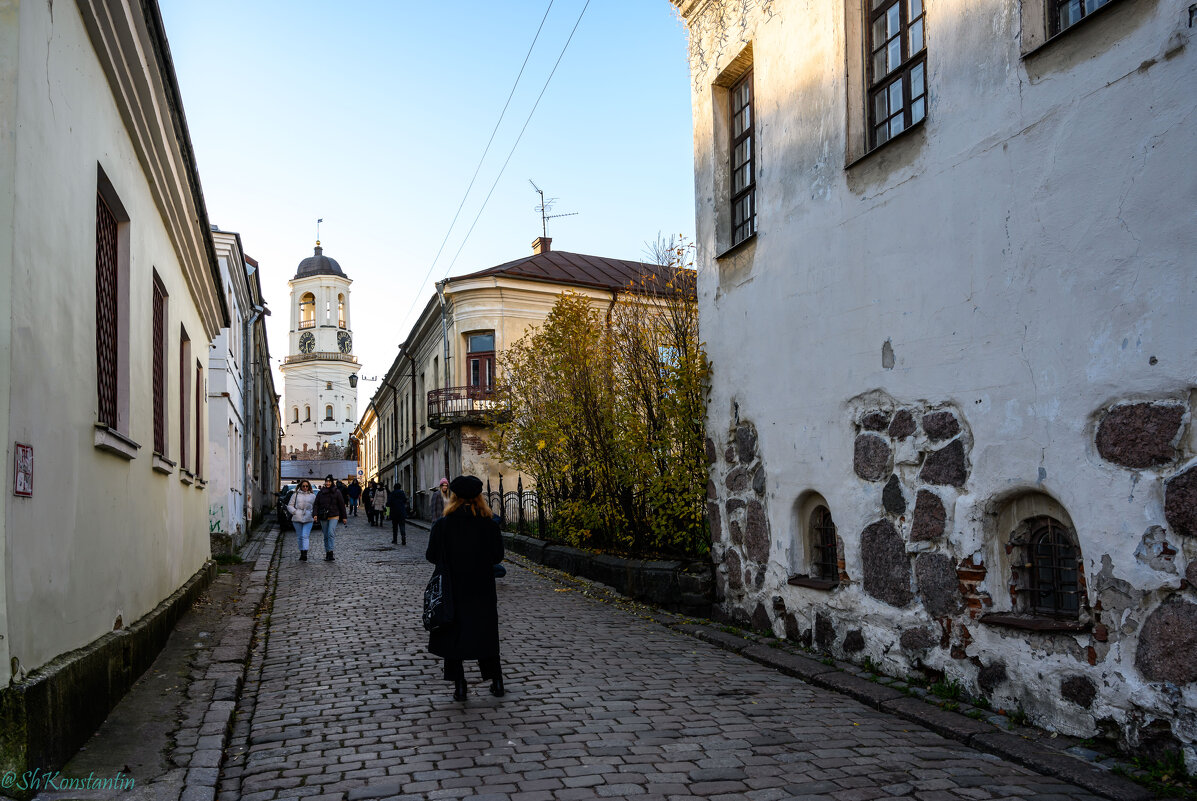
[318, 221]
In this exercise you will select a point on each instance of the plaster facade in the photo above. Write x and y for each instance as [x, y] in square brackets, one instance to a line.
[930, 337]
[115, 525]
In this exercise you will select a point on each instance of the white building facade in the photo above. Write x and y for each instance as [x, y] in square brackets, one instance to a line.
[110, 295]
[946, 278]
[320, 401]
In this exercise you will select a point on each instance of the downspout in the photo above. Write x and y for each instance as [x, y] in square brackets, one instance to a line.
[440, 293]
[246, 392]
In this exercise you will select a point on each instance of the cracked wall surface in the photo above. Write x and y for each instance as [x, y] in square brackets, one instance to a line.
[979, 326]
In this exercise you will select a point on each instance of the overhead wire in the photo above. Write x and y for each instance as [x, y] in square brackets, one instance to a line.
[485, 151]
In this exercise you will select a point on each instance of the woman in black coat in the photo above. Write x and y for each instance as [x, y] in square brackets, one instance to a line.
[466, 545]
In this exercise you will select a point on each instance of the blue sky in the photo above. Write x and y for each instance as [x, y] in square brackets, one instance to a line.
[373, 115]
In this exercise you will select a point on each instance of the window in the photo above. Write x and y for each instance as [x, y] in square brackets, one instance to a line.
[295, 414]
[825, 562]
[158, 337]
[1066, 13]
[307, 414]
[328, 413]
[307, 310]
[480, 361]
[341, 311]
[112, 314]
[348, 414]
[1049, 579]
[743, 181]
[897, 59]
[184, 399]
[199, 419]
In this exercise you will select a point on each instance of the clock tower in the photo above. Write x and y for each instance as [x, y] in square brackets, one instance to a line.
[320, 404]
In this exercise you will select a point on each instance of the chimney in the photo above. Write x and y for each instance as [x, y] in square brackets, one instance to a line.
[541, 244]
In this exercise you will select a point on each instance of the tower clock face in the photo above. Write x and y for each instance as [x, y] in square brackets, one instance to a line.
[307, 342]
[344, 341]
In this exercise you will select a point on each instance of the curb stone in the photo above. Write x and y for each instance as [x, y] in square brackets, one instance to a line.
[1038, 753]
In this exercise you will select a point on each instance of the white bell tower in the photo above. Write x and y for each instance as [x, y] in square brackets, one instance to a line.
[320, 404]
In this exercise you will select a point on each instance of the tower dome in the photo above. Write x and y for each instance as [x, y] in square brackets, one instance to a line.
[318, 264]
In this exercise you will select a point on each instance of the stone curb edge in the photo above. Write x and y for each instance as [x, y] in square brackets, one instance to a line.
[203, 777]
[1038, 756]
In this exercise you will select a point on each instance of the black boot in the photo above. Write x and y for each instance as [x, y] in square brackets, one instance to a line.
[460, 689]
[303, 556]
[328, 557]
[496, 687]
[395, 540]
[405, 539]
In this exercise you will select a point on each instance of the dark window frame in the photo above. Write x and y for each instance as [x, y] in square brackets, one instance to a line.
[199, 419]
[107, 315]
[159, 366]
[742, 228]
[1051, 584]
[910, 63]
[825, 558]
[1086, 8]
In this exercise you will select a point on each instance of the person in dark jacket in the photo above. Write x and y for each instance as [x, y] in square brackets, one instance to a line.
[397, 503]
[354, 492]
[330, 510]
[466, 545]
[368, 502]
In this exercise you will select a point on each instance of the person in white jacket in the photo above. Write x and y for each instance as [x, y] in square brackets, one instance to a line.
[301, 508]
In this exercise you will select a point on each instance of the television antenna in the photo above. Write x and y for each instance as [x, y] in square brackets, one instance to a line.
[545, 207]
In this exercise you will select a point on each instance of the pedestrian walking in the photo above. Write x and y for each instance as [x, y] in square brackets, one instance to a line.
[379, 502]
[355, 492]
[465, 545]
[302, 508]
[368, 502]
[440, 496]
[330, 510]
[397, 503]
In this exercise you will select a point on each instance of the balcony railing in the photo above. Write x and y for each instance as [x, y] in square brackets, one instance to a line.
[323, 356]
[457, 405]
[306, 324]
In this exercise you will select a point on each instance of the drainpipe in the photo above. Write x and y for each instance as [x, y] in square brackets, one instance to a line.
[246, 393]
[440, 293]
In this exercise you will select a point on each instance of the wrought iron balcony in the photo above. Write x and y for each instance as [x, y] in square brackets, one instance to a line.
[456, 405]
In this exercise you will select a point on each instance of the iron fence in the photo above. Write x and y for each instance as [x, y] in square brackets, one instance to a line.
[520, 510]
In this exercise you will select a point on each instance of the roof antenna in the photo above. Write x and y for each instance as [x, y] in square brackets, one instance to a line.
[544, 208]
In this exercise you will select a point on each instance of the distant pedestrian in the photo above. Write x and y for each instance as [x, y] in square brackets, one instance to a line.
[380, 502]
[330, 510]
[302, 508]
[397, 503]
[355, 492]
[368, 502]
[466, 544]
[440, 496]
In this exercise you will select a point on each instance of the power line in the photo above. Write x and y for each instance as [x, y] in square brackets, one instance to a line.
[518, 138]
[485, 151]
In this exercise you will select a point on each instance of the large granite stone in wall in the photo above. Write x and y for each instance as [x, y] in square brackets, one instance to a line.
[1078, 689]
[886, 566]
[918, 639]
[891, 497]
[1168, 643]
[735, 570]
[946, 466]
[870, 457]
[824, 630]
[991, 676]
[756, 533]
[938, 586]
[1180, 502]
[854, 641]
[940, 426]
[875, 421]
[929, 517]
[1140, 435]
[738, 479]
[902, 426]
[715, 521]
[746, 442]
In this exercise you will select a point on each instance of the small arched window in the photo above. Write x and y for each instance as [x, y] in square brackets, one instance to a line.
[824, 551]
[294, 414]
[328, 413]
[816, 555]
[1052, 583]
[341, 311]
[307, 414]
[348, 414]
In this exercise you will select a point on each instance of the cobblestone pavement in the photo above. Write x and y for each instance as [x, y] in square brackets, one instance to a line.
[601, 704]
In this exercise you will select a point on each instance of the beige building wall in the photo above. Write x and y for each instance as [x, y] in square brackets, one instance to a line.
[104, 538]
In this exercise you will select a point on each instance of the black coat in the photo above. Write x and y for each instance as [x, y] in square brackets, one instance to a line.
[467, 548]
[330, 503]
[397, 500]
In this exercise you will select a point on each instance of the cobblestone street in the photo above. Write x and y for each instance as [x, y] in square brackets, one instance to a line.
[344, 702]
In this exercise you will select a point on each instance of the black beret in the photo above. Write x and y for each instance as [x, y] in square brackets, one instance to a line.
[466, 487]
[328, 477]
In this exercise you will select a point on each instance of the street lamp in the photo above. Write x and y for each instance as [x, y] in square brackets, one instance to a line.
[353, 381]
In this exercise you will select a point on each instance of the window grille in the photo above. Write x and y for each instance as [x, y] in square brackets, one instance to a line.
[107, 352]
[159, 337]
[184, 358]
[1053, 570]
[743, 180]
[825, 564]
[199, 420]
[897, 68]
[1066, 13]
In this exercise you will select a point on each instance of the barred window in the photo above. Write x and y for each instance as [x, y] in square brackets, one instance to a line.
[199, 419]
[159, 366]
[1066, 13]
[1048, 574]
[743, 152]
[107, 309]
[824, 550]
[184, 399]
[897, 68]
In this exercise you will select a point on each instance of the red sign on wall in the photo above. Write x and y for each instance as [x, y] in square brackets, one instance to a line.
[23, 475]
